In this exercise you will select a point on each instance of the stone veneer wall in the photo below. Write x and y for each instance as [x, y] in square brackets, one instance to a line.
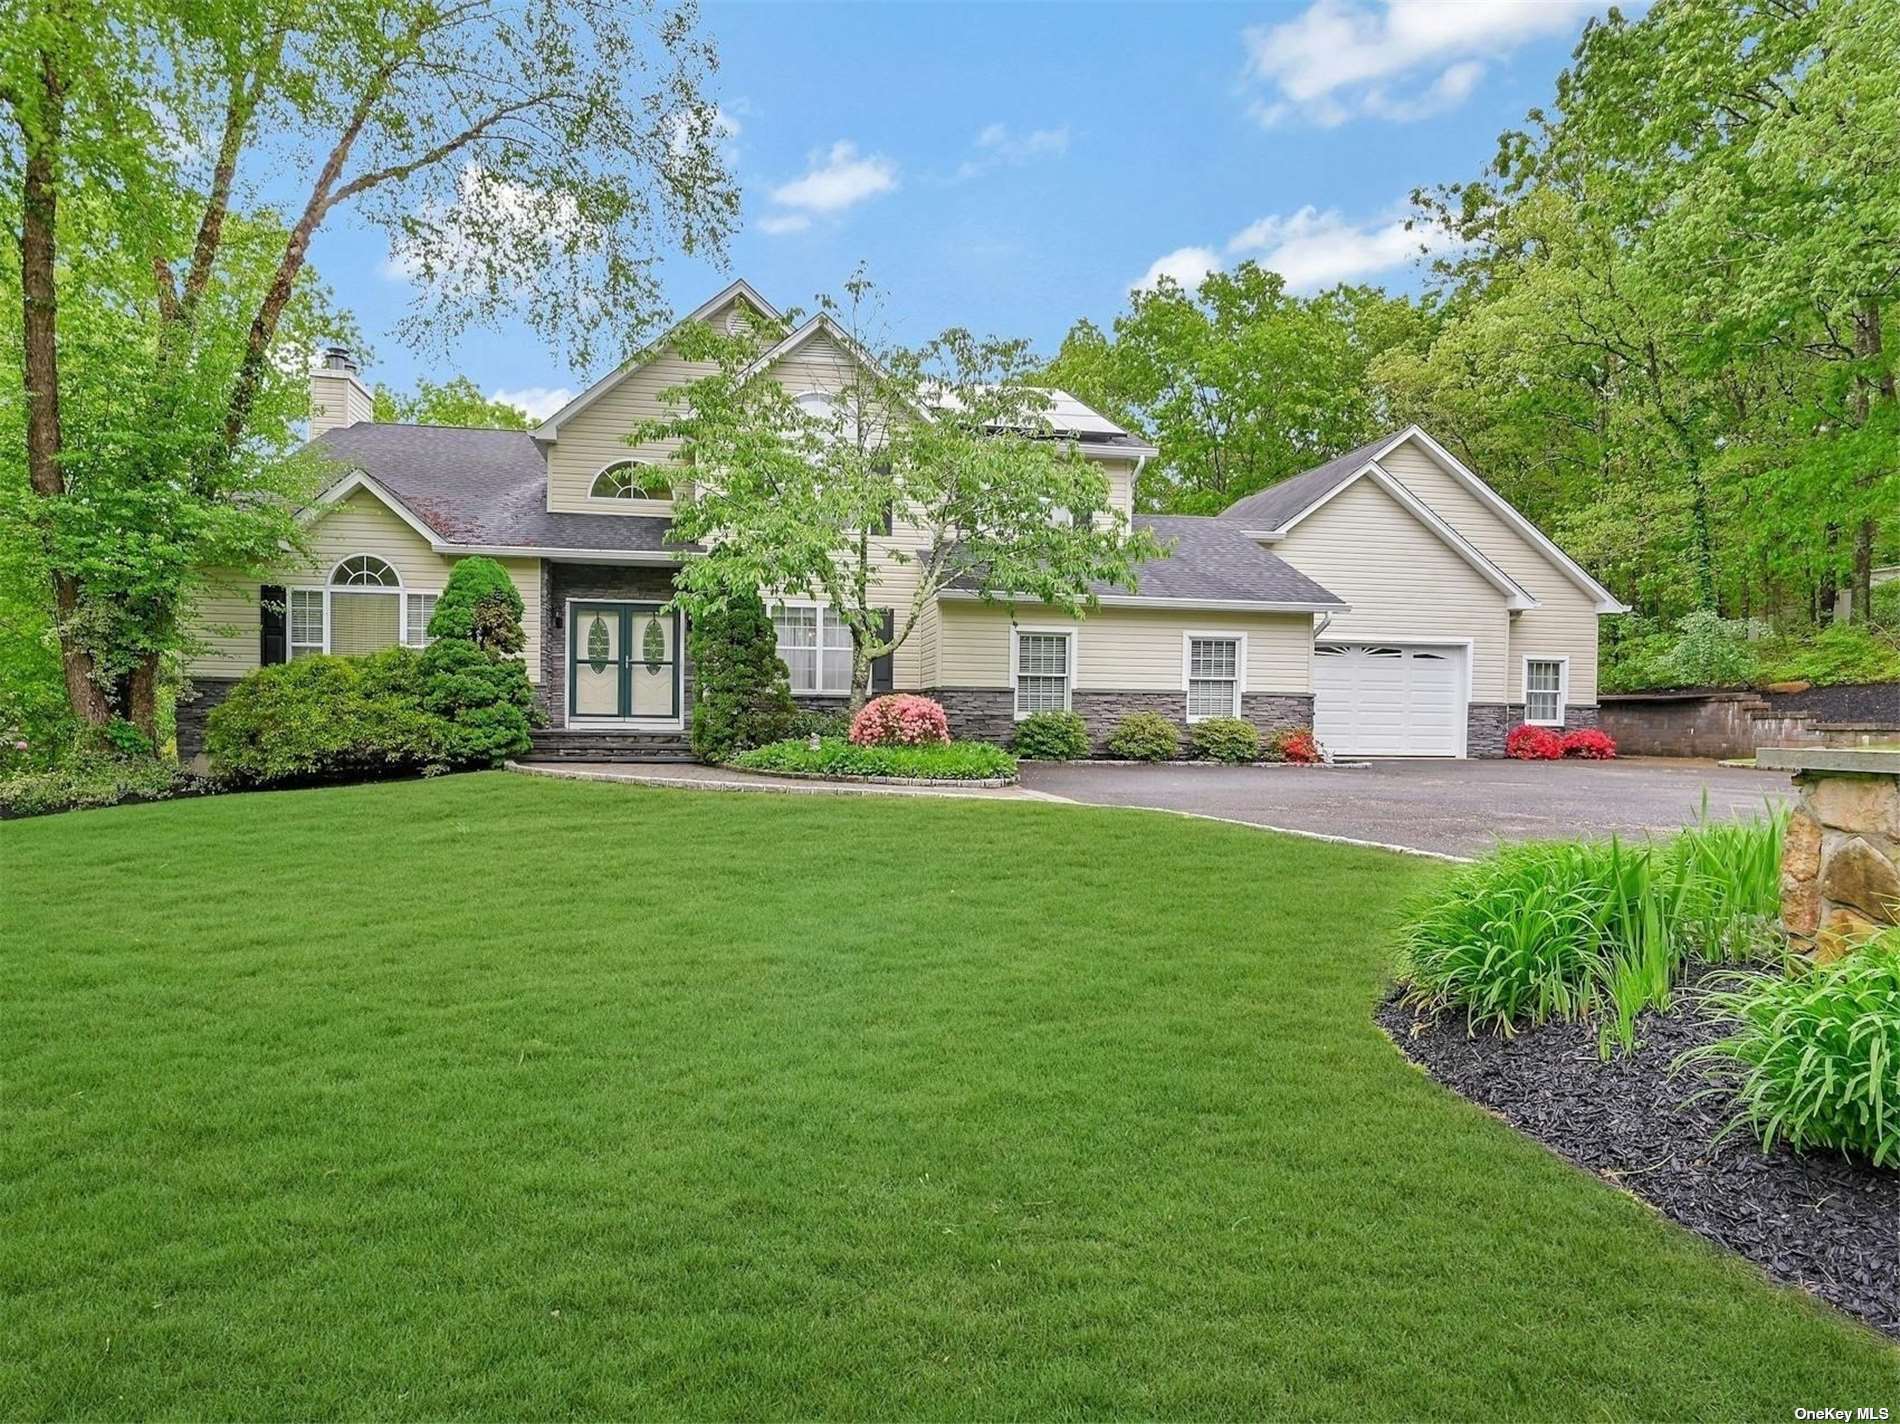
[637, 583]
[1839, 880]
[1487, 724]
[194, 708]
[988, 713]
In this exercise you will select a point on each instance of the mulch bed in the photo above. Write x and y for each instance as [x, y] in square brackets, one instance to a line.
[1858, 702]
[1822, 1222]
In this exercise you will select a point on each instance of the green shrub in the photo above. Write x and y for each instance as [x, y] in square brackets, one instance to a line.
[321, 718]
[483, 700]
[1709, 651]
[1568, 929]
[1055, 735]
[1843, 653]
[481, 605]
[1815, 1056]
[1145, 736]
[84, 779]
[1227, 739]
[809, 722]
[1884, 612]
[834, 756]
[742, 697]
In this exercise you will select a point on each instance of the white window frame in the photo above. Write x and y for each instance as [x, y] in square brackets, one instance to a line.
[1209, 635]
[1563, 688]
[401, 591]
[826, 618]
[622, 502]
[1016, 632]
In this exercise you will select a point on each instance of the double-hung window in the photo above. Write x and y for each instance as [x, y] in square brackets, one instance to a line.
[816, 647]
[306, 621]
[1044, 671]
[419, 609]
[1213, 678]
[1544, 691]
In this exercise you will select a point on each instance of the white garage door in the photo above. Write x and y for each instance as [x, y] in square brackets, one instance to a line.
[1383, 699]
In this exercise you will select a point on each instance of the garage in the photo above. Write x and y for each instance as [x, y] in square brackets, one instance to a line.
[1389, 699]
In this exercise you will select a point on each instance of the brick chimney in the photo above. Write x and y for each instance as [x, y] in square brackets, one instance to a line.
[338, 396]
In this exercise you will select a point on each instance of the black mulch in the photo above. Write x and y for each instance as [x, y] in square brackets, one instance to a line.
[1857, 702]
[1821, 1222]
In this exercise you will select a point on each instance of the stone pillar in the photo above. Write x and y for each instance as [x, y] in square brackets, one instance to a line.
[1840, 861]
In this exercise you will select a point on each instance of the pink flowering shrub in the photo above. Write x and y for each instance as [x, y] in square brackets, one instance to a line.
[1589, 744]
[900, 720]
[1528, 743]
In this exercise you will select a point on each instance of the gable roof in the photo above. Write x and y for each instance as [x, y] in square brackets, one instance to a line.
[1277, 508]
[549, 429]
[480, 491]
[1210, 564]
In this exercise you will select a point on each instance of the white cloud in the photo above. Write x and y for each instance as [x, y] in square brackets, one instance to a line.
[538, 401]
[839, 178]
[1314, 249]
[997, 148]
[1187, 265]
[1339, 59]
[685, 128]
[778, 224]
[456, 241]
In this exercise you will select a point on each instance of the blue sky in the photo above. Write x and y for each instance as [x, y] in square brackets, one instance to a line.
[1012, 168]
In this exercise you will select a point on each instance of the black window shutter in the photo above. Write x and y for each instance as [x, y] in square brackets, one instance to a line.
[881, 672]
[272, 633]
[890, 518]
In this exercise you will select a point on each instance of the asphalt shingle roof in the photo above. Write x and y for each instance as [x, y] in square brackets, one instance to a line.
[1276, 504]
[1212, 561]
[484, 488]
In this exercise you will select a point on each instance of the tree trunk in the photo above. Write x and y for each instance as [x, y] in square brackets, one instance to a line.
[1868, 345]
[143, 699]
[39, 216]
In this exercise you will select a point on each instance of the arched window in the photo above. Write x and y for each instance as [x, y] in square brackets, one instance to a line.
[364, 571]
[630, 479]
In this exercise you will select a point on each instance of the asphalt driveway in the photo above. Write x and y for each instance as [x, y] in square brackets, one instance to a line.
[1452, 807]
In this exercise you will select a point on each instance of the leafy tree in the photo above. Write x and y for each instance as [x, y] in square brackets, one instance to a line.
[742, 697]
[949, 443]
[457, 401]
[1239, 383]
[522, 157]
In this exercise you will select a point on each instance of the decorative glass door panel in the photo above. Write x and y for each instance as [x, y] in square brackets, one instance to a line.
[623, 662]
[652, 670]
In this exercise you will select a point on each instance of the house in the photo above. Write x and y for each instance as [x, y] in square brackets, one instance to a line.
[1389, 596]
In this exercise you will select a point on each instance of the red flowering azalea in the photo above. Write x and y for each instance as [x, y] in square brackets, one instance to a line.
[900, 720]
[1528, 743]
[1300, 747]
[1588, 744]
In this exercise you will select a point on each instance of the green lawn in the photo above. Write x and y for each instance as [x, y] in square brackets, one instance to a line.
[511, 1097]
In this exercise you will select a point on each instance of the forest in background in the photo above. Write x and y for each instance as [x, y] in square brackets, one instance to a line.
[1656, 322]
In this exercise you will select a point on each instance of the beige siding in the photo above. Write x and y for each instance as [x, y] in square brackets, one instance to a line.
[226, 615]
[1123, 649]
[597, 437]
[1565, 623]
[1401, 581]
[1121, 485]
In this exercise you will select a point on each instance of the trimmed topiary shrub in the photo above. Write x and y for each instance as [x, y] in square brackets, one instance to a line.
[901, 719]
[1054, 735]
[323, 718]
[1528, 743]
[1227, 739]
[484, 701]
[481, 605]
[1145, 736]
[1588, 744]
[742, 695]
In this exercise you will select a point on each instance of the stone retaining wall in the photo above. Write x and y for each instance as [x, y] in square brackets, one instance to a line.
[194, 707]
[1840, 860]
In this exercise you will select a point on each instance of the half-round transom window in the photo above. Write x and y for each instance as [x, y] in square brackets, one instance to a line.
[365, 571]
[630, 479]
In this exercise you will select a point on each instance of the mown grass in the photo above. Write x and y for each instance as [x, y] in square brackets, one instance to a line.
[504, 1097]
